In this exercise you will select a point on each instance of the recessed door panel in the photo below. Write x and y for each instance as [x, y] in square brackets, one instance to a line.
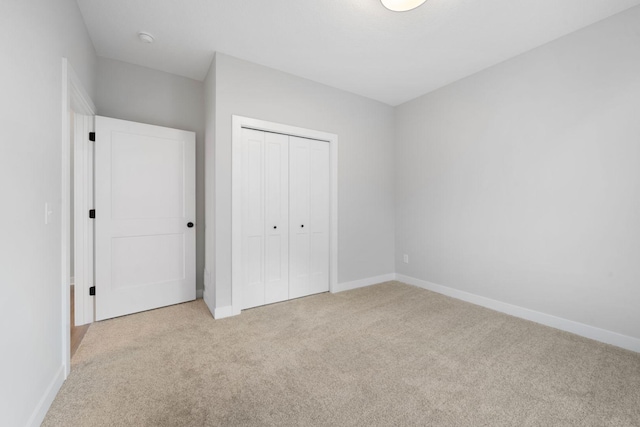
[299, 152]
[254, 287]
[147, 260]
[149, 166]
[319, 186]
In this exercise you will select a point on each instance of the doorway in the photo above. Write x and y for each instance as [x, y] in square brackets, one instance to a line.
[77, 121]
[78, 325]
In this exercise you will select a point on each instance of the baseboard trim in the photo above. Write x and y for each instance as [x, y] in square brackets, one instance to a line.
[227, 311]
[361, 283]
[38, 414]
[587, 331]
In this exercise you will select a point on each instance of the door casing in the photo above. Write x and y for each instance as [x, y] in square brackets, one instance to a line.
[75, 99]
[83, 225]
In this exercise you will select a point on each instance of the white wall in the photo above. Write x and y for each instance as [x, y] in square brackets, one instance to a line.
[210, 183]
[365, 166]
[34, 36]
[522, 183]
[130, 92]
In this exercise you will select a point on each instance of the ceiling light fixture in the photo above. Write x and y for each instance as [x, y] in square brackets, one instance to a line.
[145, 37]
[401, 5]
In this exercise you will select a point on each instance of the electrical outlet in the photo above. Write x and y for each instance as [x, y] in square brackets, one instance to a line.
[48, 211]
[405, 258]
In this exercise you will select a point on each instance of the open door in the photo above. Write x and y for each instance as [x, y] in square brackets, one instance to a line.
[145, 217]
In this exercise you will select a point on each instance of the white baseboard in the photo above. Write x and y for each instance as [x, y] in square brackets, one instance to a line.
[361, 283]
[587, 331]
[227, 311]
[38, 414]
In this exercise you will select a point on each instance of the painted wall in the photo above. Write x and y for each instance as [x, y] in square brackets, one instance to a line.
[34, 36]
[130, 92]
[365, 129]
[210, 183]
[522, 183]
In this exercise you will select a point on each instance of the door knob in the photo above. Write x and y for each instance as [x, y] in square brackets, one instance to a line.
[190, 224]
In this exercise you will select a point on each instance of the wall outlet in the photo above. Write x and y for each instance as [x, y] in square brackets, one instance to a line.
[405, 258]
[207, 279]
[48, 211]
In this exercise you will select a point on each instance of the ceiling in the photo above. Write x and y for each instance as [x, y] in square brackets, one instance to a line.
[354, 45]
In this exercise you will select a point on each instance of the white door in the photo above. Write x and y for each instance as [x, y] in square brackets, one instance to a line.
[277, 218]
[309, 216]
[145, 217]
[265, 206]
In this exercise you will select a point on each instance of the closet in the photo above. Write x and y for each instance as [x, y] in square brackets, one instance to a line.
[285, 206]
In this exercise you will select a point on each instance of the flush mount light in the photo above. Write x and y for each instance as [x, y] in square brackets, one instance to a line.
[401, 5]
[145, 37]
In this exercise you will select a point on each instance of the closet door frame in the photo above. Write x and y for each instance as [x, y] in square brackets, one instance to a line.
[240, 122]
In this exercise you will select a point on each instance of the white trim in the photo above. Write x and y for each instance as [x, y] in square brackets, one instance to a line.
[355, 284]
[83, 225]
[80, 99]
[587, 331]
[239, 122]
[38, 414]
[222, 312]
[73, 97]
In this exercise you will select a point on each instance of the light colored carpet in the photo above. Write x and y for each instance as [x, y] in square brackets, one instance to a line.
[390, 354]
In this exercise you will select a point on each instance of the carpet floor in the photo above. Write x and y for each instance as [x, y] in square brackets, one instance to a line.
[385, 355]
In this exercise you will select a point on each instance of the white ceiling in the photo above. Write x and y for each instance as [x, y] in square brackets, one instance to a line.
[355, 45]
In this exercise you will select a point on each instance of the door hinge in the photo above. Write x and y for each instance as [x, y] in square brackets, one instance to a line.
[92, 213]
[92, 290]
[92, 136]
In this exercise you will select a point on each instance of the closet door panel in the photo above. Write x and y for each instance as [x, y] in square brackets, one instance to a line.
[253, 221]
[299, 238]
[285, 217]
[277, 217]
[319, 188]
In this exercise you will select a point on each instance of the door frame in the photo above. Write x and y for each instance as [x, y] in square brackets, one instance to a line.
[240, 122]
[83, 226]
[75, 99]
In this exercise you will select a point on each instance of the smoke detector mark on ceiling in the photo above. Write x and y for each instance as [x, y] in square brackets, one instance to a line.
[145, 37]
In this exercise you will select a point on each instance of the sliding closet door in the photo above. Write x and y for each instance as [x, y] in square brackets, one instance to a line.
[308, 217]
[264, 222]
